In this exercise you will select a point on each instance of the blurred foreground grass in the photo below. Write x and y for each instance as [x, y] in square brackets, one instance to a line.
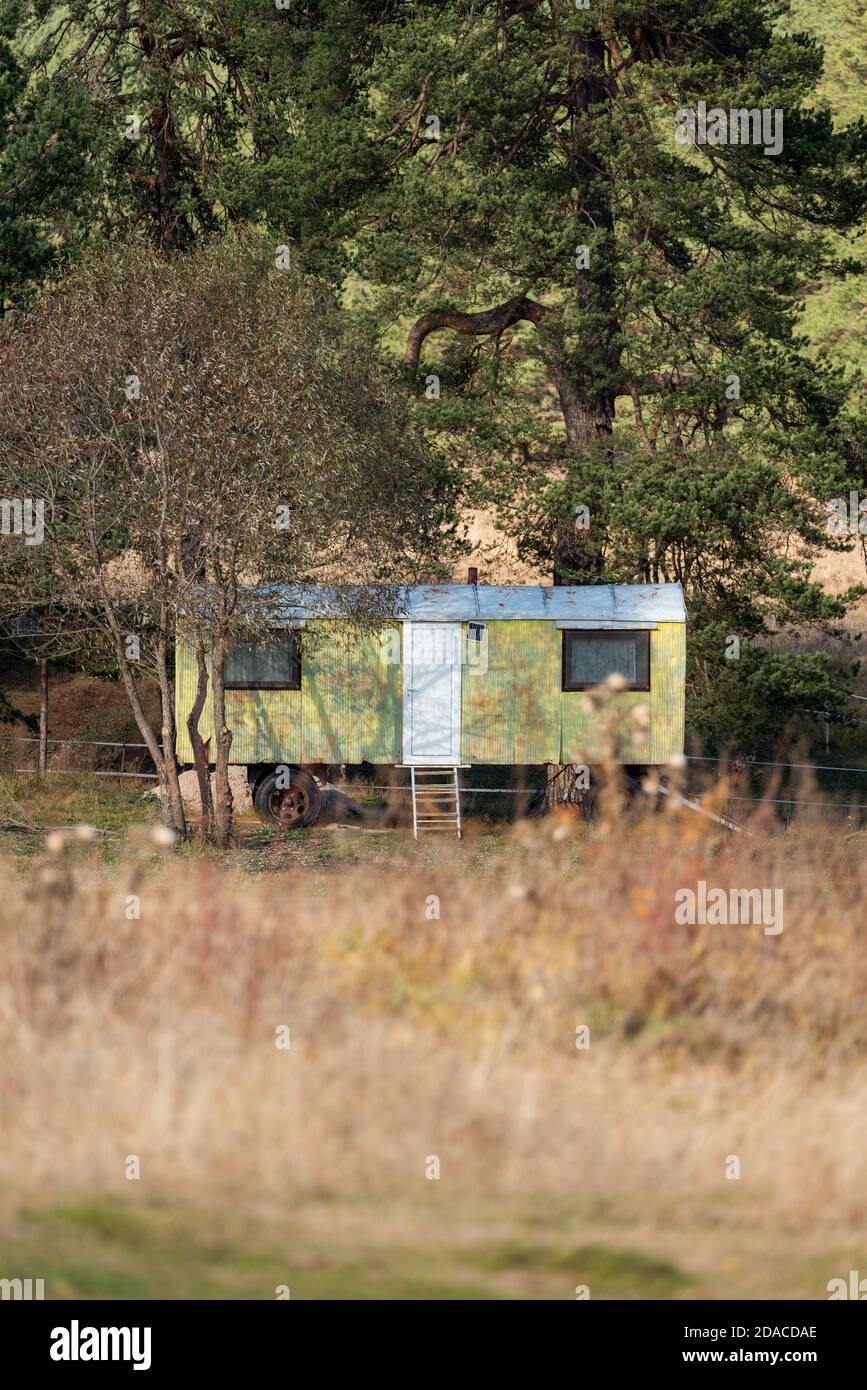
[437, 1248]
[434, 994]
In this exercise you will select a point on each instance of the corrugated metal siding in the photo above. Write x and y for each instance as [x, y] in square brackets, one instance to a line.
[350, 702]
[580, 723]
[352, 698]
[265, 724]
[511, 711]
[185, 694]
[347, 710]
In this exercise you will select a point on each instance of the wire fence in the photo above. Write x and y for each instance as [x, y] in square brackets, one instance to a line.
[87, 742]
[527, 792]
[89, 772]
[122, 744]
[761, 762]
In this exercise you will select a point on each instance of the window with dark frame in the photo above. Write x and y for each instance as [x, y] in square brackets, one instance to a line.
[590, 657]
[271, 665]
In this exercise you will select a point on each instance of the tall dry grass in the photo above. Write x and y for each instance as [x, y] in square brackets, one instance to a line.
[412, 1035]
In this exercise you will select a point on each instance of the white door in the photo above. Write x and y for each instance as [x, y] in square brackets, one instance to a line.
[432, 693]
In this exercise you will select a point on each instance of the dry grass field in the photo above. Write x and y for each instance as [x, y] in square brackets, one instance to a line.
[418, 1041]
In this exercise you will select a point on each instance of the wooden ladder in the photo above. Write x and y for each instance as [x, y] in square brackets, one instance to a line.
[438, 785]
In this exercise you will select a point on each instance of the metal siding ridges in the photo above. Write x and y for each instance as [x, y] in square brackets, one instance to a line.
[352, 698]
[664, 739]
[510, 713]
[669, 707]
[185, 694]
[348, 707]
[265, 724]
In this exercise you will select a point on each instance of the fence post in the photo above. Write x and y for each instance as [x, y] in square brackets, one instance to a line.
[43, 716]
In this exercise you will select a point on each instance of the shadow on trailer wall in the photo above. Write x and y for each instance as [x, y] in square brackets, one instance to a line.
[479, 687]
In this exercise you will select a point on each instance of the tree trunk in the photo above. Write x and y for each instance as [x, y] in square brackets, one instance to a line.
[567, 787]
[169, 732]
[222, 789]
[577, 556]
[43, 716]
[144, 725]
[162, 54]
[200, 754]
[587, 378]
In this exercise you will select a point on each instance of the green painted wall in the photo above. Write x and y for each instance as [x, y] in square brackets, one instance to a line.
[347, 710]
[511, 712]
[581, 724]
[349, 707]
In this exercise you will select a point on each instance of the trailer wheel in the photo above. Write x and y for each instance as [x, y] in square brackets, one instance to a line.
[290, 799]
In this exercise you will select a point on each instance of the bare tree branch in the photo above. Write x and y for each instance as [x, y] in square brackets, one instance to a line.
[488, 322]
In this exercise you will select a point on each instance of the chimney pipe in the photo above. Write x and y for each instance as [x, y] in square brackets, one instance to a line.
[472, 575]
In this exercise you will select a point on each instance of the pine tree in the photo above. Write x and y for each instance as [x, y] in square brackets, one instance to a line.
[202, 115]
[611, 297]
[598, 319]
[43, 164]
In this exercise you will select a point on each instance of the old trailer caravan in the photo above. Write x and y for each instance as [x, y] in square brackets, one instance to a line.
[466, 674]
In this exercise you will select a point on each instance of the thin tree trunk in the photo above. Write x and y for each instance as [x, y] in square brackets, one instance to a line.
[200, 754]
[144, 725]
[222, 788]
[43, 716]
[169, 732]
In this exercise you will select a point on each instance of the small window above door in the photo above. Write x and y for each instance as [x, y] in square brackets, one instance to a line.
[589, 658]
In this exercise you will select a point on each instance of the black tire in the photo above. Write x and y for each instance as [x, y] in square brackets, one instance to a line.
[288, 798]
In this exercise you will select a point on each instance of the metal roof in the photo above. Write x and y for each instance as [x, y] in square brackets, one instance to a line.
[610, 603]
